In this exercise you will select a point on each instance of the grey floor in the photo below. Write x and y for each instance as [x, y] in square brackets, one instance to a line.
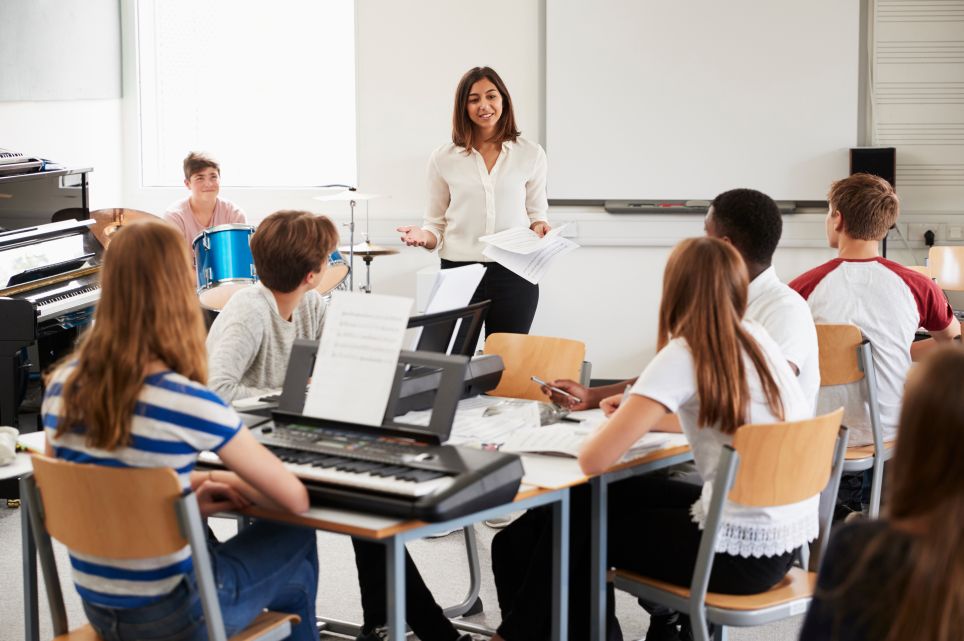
[338, 589]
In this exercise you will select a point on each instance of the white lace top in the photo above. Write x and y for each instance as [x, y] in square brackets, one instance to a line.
[670, 379]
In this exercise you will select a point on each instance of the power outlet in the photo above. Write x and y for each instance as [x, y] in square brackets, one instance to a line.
[915, 231]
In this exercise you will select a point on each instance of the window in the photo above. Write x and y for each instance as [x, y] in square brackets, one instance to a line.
[267, 88]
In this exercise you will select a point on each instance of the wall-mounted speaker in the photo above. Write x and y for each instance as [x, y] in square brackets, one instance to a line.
[879, 161]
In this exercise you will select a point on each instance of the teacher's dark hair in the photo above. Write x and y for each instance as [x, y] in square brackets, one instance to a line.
[462, 128]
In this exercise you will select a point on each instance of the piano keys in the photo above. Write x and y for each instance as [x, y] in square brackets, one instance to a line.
[390, 476]
[49, 285]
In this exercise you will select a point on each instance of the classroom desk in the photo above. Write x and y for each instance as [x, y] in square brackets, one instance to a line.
[395, 533]
[599, 489]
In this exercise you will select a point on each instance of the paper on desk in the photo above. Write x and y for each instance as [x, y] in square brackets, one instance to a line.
[357, 357]
[522, 252]
[567, 440]
[550, 472]
[472, 426]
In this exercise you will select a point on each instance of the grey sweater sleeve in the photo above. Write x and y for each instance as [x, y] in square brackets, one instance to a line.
[232, 347]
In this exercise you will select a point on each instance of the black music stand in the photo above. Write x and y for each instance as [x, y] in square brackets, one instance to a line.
[438, 328]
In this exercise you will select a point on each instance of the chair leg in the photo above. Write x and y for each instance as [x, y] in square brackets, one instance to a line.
[876, 485]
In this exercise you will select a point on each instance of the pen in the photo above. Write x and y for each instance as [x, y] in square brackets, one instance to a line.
[557, 390]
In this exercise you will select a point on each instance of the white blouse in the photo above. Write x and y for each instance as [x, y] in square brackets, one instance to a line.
[670, 379]
[465, 201]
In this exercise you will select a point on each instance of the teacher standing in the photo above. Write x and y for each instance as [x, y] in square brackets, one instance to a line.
[487, 180]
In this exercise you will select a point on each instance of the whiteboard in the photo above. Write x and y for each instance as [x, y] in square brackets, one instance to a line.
[683, 99]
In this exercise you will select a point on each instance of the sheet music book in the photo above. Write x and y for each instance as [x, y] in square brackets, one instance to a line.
[357, 357]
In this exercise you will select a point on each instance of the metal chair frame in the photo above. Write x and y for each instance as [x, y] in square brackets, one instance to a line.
[700, 614]
[192, 529]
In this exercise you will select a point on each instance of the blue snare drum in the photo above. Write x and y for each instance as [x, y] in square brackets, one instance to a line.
[334, 275]
[223, 257]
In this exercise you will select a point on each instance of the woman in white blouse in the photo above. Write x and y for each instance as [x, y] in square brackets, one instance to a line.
[717, 371]
[488, 179]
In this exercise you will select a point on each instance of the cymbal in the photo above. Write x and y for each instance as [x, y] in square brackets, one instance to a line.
[107, 221]
[348, 195]
[368, 249]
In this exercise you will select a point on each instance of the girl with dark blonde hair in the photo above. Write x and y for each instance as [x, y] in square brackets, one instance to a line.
[133, 395]
[488, 179]
[902, 577]
[716, 371]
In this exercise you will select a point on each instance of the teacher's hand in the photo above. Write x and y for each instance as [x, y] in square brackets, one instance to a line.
[417, 237]
[540, 227]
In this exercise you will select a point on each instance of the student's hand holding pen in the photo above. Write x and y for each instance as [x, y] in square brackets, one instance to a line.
[581, 393]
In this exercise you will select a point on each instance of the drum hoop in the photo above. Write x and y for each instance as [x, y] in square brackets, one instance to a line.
[201, 290]
[224, 227]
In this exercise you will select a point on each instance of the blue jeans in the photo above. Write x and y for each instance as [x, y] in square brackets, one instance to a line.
[267, 565]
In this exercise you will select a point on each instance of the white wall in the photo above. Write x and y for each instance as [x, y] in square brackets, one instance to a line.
[77, 133]
[410, 57]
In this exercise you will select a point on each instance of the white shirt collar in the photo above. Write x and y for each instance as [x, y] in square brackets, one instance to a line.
[767, 279]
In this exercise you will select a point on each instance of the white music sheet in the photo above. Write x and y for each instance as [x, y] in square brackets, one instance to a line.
[521, 251]
[357, 357]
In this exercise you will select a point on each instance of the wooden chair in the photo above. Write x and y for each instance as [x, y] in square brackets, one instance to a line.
[543, 356]
[768, 465]
[124, 513]
[847, 357]
[921, 269]
[946, 266]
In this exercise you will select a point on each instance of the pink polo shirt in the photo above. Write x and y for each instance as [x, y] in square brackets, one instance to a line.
[180, 215]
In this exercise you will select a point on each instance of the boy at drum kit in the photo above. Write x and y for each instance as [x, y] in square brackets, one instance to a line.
[203, 209]
[250, 340]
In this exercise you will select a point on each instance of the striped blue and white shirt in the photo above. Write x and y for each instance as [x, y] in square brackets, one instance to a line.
[174, 419]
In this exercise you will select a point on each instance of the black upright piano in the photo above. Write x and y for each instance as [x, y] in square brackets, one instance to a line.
[49, 285]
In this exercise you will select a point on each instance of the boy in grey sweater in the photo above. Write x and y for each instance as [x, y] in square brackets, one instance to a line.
[250, 341]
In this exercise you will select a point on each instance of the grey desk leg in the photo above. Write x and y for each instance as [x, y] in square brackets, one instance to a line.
[560, 568]
[28, 549]
[598, 554]
[395, 576]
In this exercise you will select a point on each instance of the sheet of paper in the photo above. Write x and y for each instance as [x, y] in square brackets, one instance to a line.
[550, 472]
[521, 240]
[534, 265]
[357, 357]
[552, 439]
[454, 288]
[567, 440]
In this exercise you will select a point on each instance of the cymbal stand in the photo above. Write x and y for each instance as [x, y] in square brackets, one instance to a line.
[351, 248]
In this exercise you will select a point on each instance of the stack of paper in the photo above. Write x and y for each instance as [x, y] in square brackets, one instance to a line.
[520, 250]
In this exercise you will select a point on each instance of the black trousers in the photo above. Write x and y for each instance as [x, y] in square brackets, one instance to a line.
[514, 299]
[422, 613]
[650, 532]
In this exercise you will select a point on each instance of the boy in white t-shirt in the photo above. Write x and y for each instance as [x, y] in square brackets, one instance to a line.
[751, 222]
[203, 208]
[886, 300]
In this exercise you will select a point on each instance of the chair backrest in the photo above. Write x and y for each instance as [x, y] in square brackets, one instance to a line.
[782, 463]
[524, 356]
[119, 513]
[946, 266]
[921, 269]
[838, 343]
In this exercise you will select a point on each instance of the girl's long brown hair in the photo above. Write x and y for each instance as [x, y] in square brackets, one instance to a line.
[923, 597]
[463, 130]
[704, 299]
[148, 311]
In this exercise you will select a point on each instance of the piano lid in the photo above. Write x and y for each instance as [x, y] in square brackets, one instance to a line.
[45, 254]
